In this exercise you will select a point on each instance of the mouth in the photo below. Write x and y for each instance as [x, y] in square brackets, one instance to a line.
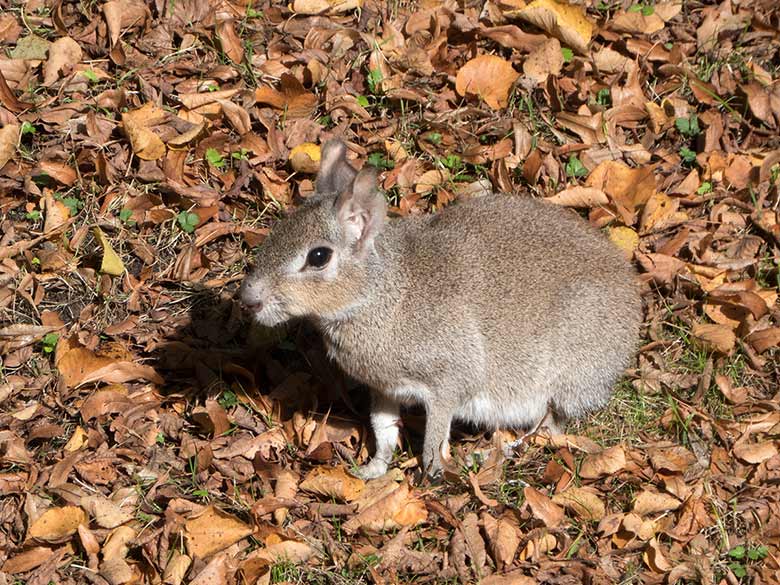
[269, 314]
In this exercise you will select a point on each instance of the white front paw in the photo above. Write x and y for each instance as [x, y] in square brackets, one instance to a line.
[373, 469]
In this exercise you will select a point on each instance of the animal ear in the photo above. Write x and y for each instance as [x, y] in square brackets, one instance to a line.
[336, 174]
[361, 211]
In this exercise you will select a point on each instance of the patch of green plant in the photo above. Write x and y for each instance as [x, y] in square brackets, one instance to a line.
[568, 54]
[284, 570]
[188, 221]
[741, 556]
[228, 399]
[126, 217]
[774, 173]
[363, 101]
[90, 75]
[28, 128]
[706, 187]
[374, 81]
[688, 127]
[380, 161]
[242, 154]
[144, 517]
[49, 342]
[252, 13]
[325, 120]
[688, 156]
[575, 168]
[160, 439]
[33, 215]
[604, 97]
[215, 158]
[434, 137]
[74, 204]
[452, 162]
[645, 9]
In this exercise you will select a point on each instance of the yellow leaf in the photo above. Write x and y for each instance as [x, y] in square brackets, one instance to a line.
[111, 263]
[305, 158]
[488, 77]
[562, 20]
[624, 238]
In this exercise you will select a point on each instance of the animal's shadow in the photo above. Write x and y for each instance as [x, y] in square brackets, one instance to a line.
[279, 376]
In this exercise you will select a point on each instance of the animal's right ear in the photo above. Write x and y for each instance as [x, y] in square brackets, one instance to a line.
[336, 175]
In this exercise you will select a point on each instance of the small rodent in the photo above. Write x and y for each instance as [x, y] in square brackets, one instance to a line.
[496, 311]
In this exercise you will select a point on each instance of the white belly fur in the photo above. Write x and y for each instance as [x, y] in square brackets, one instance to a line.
[486, 412]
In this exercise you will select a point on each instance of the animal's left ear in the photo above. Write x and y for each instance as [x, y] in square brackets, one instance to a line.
[361, 211]
[336, 174]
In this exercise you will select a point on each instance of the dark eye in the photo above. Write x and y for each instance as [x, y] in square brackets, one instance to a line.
[318, 257]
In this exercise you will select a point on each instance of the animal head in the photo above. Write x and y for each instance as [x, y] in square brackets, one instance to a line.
[314, 262]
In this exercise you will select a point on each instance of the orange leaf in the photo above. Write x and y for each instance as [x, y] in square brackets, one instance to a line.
[487, 77]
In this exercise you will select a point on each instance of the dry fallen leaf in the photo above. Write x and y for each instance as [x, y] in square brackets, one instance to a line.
[57, 524]
[64, 53]
[650, 502]
[325, 6]
[105, 512]
[305, 158]
[718, 337]
[565, 21]
[213, 530]
[543, 508]
[398, 508]
[78, 365]
[9, 136]
[57, 213]
[579, 197]
[624, 238]
[111, 263]
[146, 144]
[333, 482]
[489, 78]
[584, 502]
[545, 60]
[607, 462]
[755, 452]
[503, 537]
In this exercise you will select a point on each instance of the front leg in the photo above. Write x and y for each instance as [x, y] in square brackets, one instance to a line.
[385, 417]
[437, 438]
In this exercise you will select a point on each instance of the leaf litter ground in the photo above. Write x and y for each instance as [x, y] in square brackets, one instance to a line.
[149, 435]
